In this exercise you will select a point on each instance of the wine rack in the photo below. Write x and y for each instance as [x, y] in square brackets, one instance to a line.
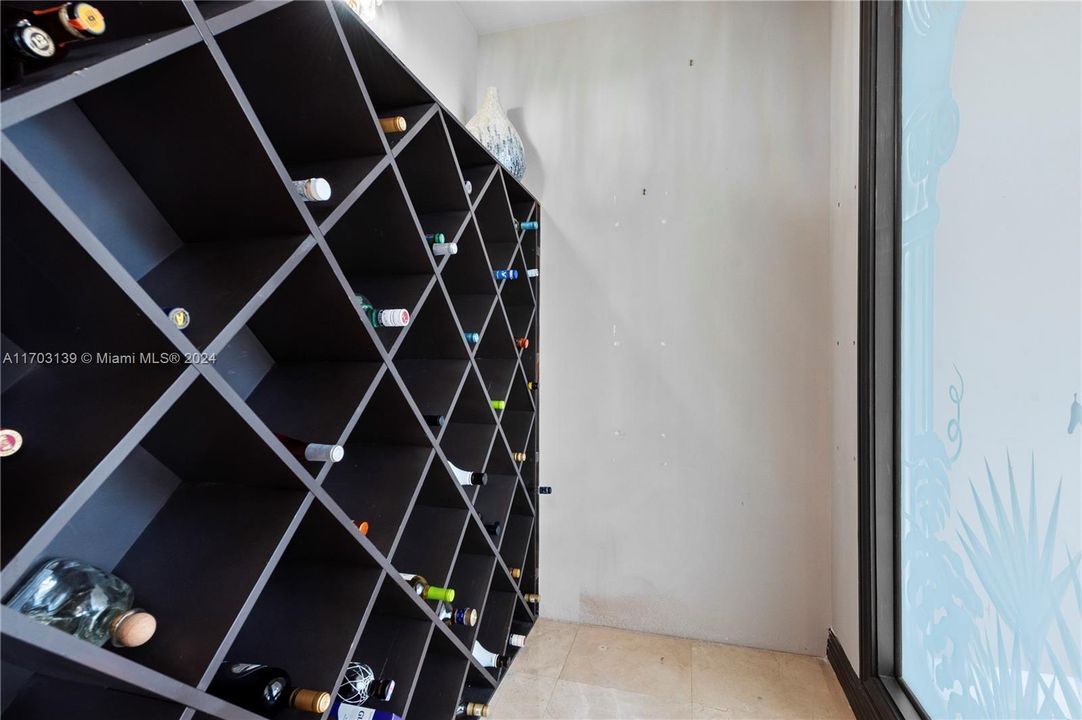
[151, 169]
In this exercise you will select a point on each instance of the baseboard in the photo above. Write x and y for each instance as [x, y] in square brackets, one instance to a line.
[854, 689]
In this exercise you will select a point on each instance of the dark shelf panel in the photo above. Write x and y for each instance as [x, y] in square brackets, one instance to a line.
[175, 480]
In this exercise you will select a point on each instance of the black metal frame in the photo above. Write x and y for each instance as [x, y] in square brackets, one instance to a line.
[878, 362]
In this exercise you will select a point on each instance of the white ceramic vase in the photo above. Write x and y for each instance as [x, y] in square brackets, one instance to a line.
[493, 130]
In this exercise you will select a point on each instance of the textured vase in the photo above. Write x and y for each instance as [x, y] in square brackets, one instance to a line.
[493, 130]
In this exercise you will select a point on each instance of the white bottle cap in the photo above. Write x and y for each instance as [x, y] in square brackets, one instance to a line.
[445, 249]
[317, 189]
[517, 640]
[398, 317]
[322, 453]
[533, 272]
[469, 188]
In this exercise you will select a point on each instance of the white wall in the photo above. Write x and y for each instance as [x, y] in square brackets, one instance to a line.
[687, 331]
[844, 136]
[437, 42]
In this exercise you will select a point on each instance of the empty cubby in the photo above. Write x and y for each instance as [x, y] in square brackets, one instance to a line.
[433, 182]
[167, 521]
[392, 645]
[381, 251]
[470, 577]
[130, 25]
[497, 229]
[440, 680]
[386, 455]
[303, 361]
[432, 357]
[307, 616]
[296, 75]
[433, 530]
[471, 426]
[207, 234]
[74, 380]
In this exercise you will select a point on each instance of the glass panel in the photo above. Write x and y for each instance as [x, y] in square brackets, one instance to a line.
[991, 358]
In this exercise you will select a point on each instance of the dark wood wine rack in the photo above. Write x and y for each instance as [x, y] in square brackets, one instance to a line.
[151, 169]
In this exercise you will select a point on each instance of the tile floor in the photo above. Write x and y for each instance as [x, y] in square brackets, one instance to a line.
[584, 671]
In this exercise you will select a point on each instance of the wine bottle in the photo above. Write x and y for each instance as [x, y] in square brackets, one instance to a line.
[465, 477]
[312, 452]
[179, 317]
[398, 317]
[469, 187]
[471, 709]
[436, 420]
[532, 598]
[360, 684]
[532, 272]
[516, 640]
[516, 573]
[493, 528]
[498, 404]
[362, 526]
[518, 457]
[544, 490]
[84, 601]
[393, 124]
[527, 225]
[315, 189]
[458, 616]
[26, 46]
[10, 441]
[505, 274]
[472, 337]
[445, 249]
[522, 343]
[426, 591]
[348, 711]
[488, 659]
[265, 690]
[531, 385]
[436, 238]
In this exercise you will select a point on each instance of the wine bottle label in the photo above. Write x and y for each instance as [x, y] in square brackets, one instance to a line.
[324, 453]
[399, 317]
[445, 249]
[10, 441]
[345, 711]
[313, 189]
[33, 42]
[81, 19]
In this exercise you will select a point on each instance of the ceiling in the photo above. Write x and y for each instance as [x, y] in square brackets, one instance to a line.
[489, 16]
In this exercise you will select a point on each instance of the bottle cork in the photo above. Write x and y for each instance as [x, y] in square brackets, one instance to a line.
[133, 628]
[393, 124]
[313, 701]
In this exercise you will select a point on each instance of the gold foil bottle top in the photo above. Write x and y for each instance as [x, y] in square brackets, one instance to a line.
[393, 124]
[519, 456]
[516, 573]
[532, 597]
[313, 701]
[476, 710]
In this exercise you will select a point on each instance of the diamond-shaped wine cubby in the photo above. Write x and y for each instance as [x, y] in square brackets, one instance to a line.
[470, 577]
[262, 464]
[470, 429]
[379, 247]
[74, 378]
[433, 183]
[195, 237]
[309, 613]
[386, 455]
[470, 285]
[168, 520]
[392, 645]
[433, 530]
[496, 225]
[297, 77]
[432, 359]
[304, 360]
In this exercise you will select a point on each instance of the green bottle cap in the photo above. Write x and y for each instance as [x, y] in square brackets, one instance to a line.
[498, 404]
[439, 594]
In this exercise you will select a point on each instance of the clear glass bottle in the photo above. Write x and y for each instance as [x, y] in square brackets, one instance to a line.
[84, 601]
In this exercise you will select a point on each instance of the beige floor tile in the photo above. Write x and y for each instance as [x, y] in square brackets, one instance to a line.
[632, 662]
[546, 648]
[521, 696]
[572, 701]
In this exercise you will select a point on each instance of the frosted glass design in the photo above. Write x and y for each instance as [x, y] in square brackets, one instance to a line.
[991, 359]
